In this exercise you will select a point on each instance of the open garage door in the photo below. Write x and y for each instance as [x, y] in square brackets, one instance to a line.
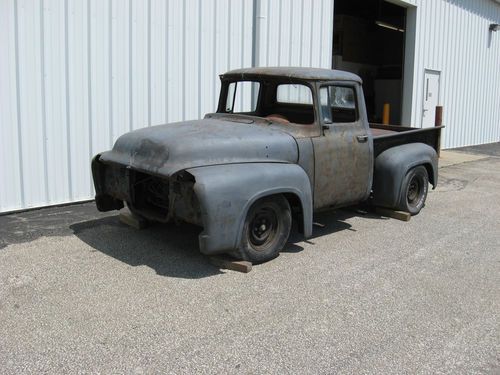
[369, 40]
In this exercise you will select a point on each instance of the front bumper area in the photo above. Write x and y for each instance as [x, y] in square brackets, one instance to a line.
[155, 197]
[101, 176]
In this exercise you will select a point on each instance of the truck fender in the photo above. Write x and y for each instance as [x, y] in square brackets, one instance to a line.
[393, 164]
[226, 192]
[104, 202]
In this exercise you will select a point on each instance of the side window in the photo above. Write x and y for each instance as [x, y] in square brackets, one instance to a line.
[294, 94]
[338, 104]
[239, 97]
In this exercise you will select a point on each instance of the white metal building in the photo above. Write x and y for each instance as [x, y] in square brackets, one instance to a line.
[76, 74]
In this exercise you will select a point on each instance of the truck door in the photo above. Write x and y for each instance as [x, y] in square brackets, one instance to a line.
[344, 153]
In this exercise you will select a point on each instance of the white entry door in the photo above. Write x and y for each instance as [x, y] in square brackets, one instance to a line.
[431, 97]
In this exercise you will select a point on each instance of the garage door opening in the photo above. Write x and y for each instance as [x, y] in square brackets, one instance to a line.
[369, 40]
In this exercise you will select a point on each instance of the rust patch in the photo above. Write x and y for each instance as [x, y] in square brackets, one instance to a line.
[151, 153]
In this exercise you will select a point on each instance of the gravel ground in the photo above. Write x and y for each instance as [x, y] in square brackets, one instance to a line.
[82, 293]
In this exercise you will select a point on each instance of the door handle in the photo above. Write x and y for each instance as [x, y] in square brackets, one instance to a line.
[362, 138]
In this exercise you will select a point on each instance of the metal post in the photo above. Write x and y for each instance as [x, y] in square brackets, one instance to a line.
[438, 121]
[439, 116]
[386, 114]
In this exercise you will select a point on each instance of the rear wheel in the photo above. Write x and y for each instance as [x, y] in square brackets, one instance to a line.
[414, 190]
[266, 229]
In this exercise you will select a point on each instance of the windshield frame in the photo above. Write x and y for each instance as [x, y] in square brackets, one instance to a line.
[265, 83]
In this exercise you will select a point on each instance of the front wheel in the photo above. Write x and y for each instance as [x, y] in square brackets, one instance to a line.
[414, 190]
[266, 229]
[134, 212]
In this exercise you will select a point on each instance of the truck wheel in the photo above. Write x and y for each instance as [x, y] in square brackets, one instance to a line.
[134, 212]
[266, 230]
[414, 190]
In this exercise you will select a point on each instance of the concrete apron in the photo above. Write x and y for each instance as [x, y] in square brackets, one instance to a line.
[448, 158]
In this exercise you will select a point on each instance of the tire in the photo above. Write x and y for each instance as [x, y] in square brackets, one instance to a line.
[134, 212]
[414, 190]
[266, 229]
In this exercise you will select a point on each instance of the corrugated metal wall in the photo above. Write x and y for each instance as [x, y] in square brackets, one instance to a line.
[453, 37]
[294, 33]
[76, 74]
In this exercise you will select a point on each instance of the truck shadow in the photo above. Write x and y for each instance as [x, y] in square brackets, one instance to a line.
[329, 222]
[172, 250]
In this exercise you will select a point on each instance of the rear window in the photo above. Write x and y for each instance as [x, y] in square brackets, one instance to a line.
[294, 94]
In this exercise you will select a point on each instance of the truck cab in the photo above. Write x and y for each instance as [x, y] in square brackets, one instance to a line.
[324, 111]
[283, 143]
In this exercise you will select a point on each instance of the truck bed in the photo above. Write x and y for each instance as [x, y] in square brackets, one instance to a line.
[387, 136]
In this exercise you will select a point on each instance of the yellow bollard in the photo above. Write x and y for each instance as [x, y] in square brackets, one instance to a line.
[386, 113]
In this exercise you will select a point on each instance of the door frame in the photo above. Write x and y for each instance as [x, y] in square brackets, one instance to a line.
[318, 142]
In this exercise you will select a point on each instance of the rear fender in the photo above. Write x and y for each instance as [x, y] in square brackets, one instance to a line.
[226, 192]
[393, 164]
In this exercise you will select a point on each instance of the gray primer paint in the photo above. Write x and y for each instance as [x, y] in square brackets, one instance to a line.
[392, 165]
[233, 160]
[166, 149]
[226, 192]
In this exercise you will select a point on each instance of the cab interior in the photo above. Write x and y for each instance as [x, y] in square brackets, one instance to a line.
[279, 101]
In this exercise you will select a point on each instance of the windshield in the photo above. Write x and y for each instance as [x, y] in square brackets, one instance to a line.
[242, 97]
[279, 102]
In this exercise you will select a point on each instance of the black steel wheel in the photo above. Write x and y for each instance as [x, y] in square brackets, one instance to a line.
[266, 229]
[414, 190]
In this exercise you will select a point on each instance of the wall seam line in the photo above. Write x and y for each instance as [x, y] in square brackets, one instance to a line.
[149, 61]
[199, 58]
[130, 67]
[68, 115]
[89, 84]
[43, 100]
[18, 105]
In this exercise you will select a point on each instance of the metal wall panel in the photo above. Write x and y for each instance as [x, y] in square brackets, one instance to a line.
[453, 37]
[77, 74]
[294, 33]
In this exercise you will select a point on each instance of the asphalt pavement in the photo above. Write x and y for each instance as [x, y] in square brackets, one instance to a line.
[82, 293]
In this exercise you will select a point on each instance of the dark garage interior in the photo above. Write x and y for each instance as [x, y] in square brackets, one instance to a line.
[368, 40]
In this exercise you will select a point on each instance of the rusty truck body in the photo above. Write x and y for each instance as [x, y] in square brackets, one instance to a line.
[283, 144]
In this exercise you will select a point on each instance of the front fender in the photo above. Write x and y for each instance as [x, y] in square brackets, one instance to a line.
[226, 192]
[392, 165]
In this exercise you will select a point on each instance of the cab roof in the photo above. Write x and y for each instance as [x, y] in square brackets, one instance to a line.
[300, 73]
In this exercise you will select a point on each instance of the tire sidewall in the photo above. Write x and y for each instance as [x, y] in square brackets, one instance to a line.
[284, 223]
[419, 172]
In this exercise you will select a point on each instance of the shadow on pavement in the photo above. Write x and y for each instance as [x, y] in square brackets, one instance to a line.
[27, 226]
[171, 250]
[331, 222]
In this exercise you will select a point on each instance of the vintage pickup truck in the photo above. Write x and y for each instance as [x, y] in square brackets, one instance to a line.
[283, 144]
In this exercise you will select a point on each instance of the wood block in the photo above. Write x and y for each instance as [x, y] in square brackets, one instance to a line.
[399, 215]
[319, 225]
[130, 219]
[231, 264]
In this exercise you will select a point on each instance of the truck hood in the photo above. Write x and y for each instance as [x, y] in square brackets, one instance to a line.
[166, 149]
